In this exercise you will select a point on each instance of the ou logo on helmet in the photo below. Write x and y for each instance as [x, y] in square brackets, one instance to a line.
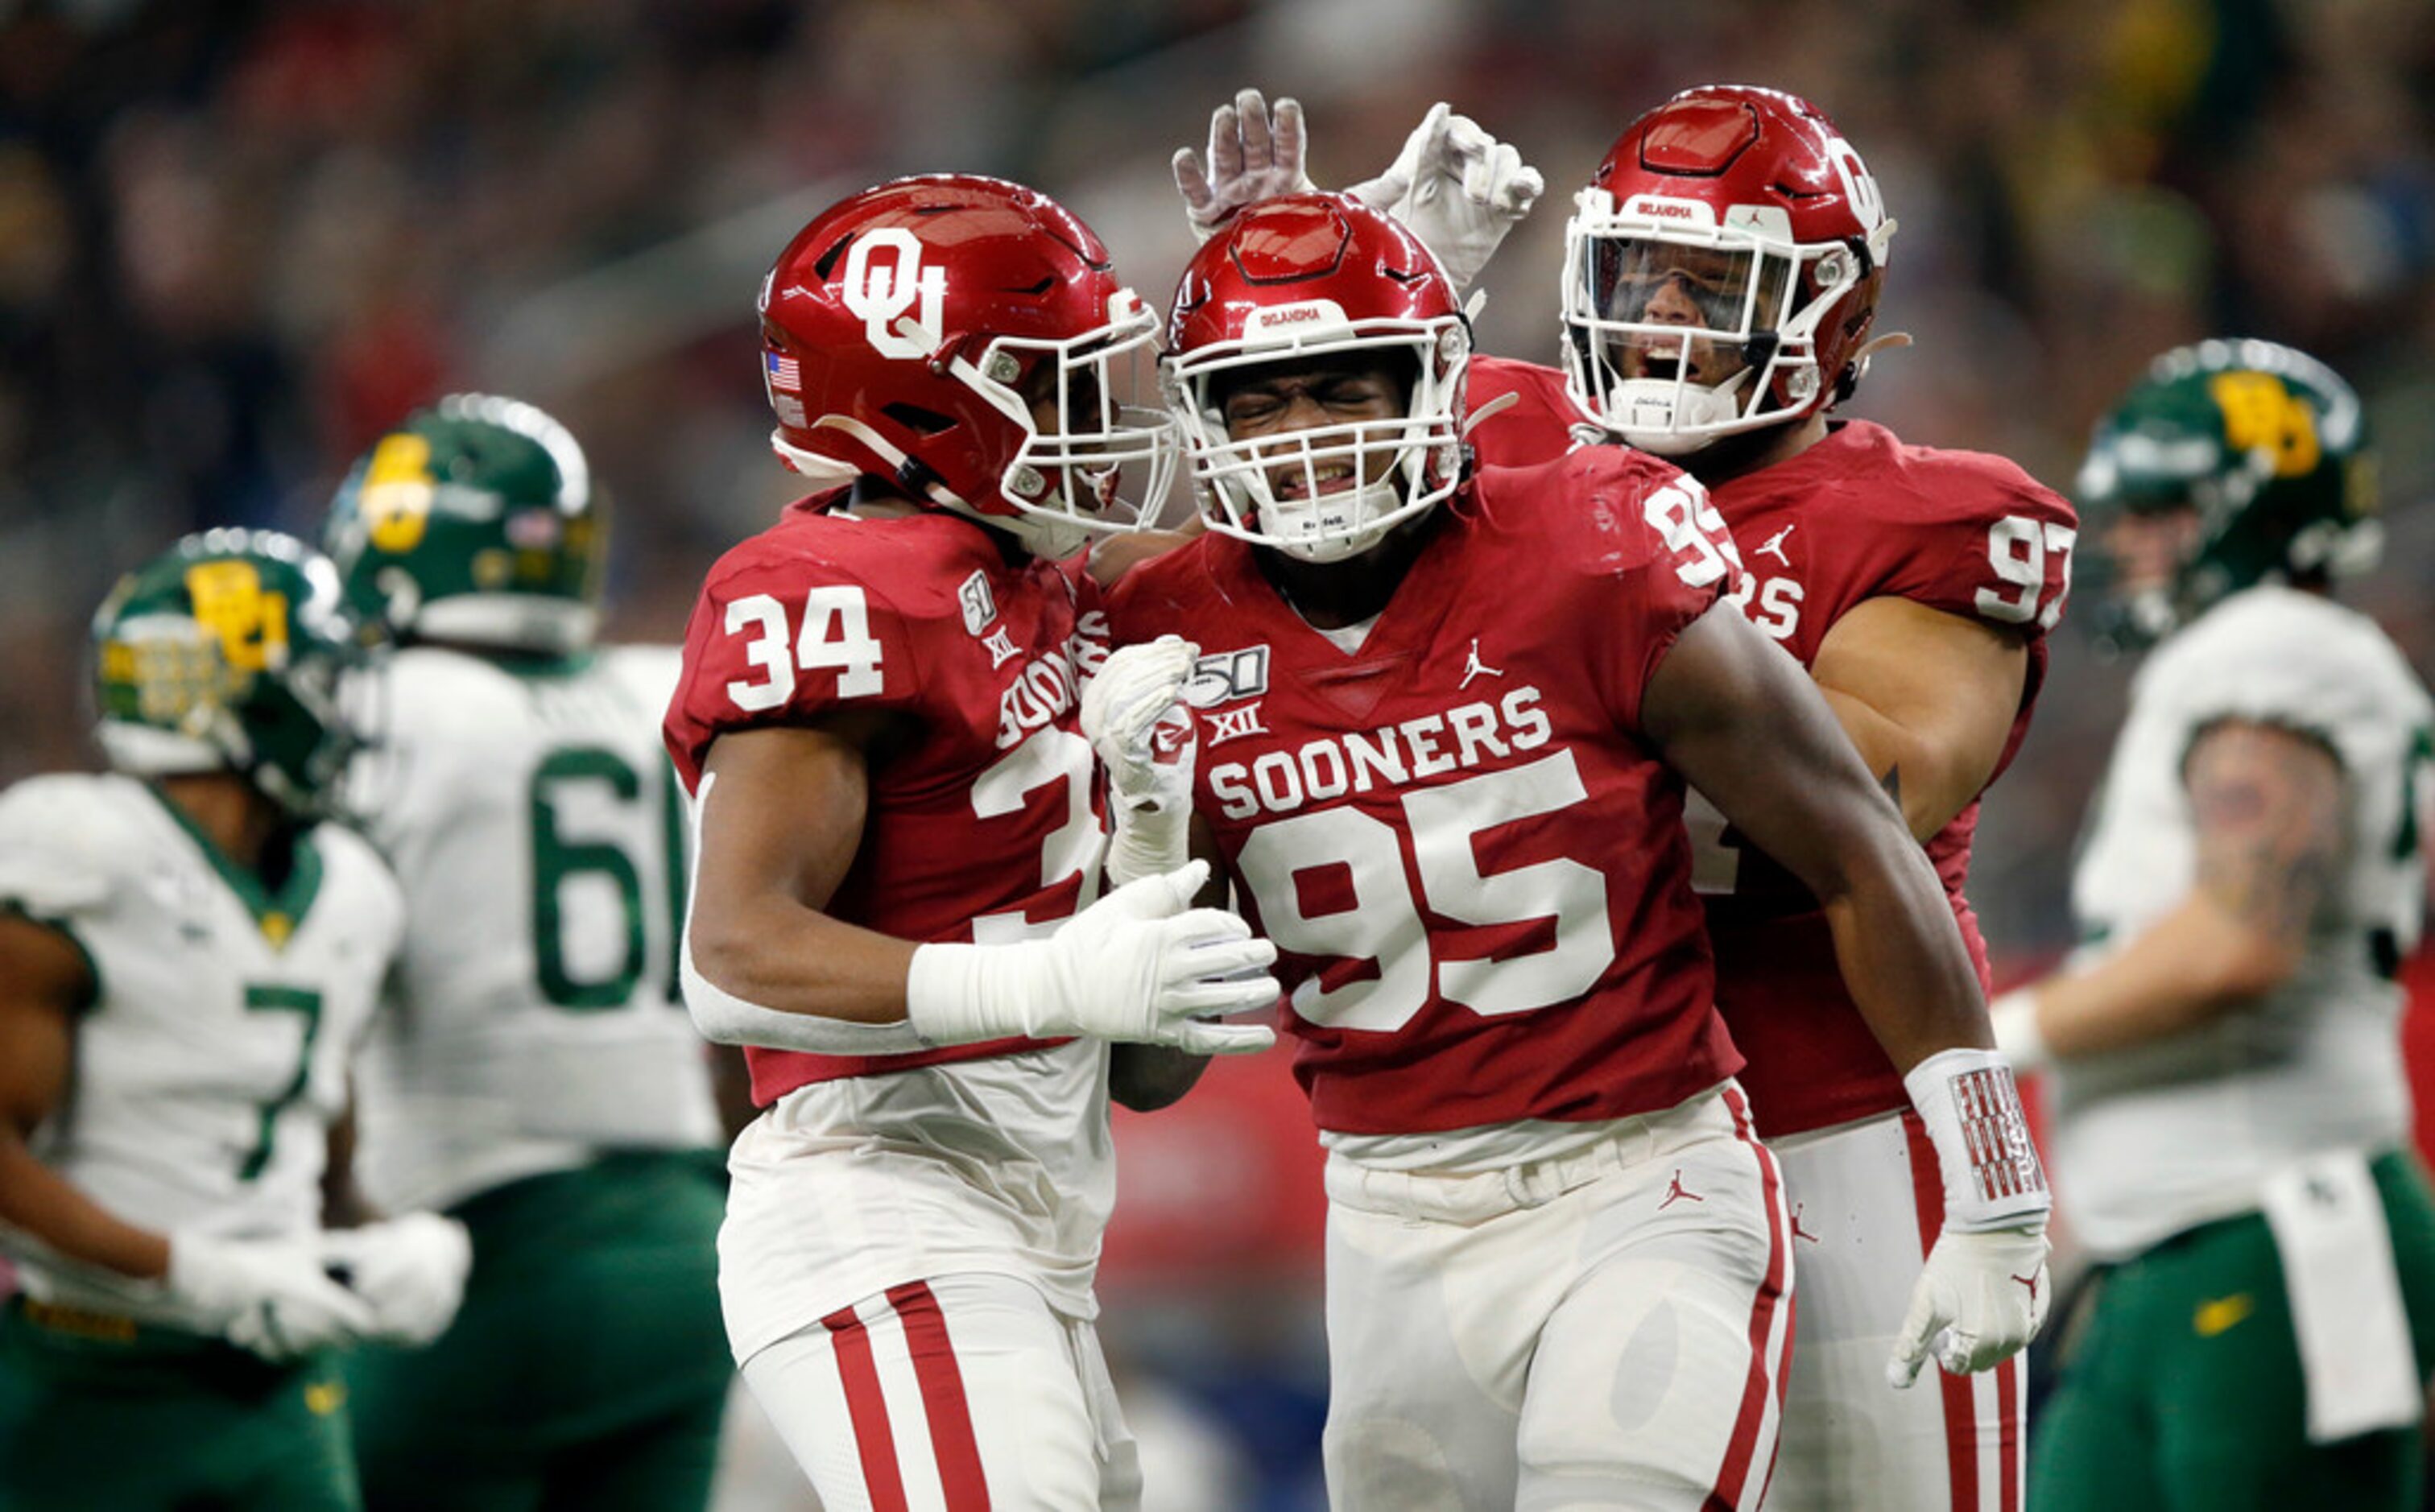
[882, 292]
[1860, 188]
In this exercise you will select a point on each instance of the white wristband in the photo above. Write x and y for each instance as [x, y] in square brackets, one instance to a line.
[1973, 1112]
[1150, 841]
[952, 997]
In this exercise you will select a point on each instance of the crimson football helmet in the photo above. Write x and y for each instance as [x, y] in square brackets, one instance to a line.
[911, 331]
[1722, 269]
[1315, 276]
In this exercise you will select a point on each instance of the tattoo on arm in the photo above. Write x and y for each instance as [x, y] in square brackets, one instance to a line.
[2268, 806]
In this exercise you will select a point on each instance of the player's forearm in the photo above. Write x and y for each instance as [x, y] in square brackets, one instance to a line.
[2193, 965]
[36, 1201]
[784, 958]
[1902, 955]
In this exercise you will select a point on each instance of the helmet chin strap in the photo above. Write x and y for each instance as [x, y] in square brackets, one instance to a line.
[1675, 405]
[1371, 502]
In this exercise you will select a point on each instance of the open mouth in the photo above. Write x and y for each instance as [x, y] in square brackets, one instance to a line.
[1296, 481]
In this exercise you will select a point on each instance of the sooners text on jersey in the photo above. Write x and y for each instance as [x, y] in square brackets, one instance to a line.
[1477, 878]
[1855, 517]
[988, 827]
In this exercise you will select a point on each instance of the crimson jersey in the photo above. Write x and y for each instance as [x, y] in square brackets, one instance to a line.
[988, 827]
[1855, 517]
[1475, 875]
[1538, 426]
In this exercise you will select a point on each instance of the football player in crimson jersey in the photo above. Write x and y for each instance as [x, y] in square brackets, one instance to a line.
[896, 904]
[1443, 726]
[1721, 278]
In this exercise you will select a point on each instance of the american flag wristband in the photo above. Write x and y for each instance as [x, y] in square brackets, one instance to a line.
[1973, 1112]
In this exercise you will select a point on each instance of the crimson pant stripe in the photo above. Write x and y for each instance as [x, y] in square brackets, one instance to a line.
[2009, 1377]
[1961, 1412]
[942, 1398]
[873, 1443]
[1742, 1448]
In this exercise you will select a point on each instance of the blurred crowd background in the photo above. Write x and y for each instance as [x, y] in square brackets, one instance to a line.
[238, 239]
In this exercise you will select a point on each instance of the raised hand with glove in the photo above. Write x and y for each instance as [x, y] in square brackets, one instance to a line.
[409, 1270]
[267, 1296]
[1456, 188]
[1982, 1295]
[1253, 155]
[1134, 718]
[1452, 186]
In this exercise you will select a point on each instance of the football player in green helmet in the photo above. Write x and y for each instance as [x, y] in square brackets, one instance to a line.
[474, 521]
[225, 654]
[542, 1082]
[188, 958]
[2230, 1127]
[2230, 463]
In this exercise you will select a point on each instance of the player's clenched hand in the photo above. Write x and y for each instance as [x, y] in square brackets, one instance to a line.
[1456, 188]
[1132, 715]
[1252, 156]
[1140, 964]
[1981, 1298]
[269, 1295]
[411, 1270]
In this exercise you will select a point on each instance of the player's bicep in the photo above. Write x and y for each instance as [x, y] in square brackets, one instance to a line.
[2266, 810]
[782, 810]
[44, 981]
[1927, 696]
[1738, 719]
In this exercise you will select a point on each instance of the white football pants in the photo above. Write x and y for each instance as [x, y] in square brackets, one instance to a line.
[1602, 1330]
[1867, 1204]
[952, 1395]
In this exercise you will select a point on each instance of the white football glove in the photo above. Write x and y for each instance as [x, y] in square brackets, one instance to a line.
[1981, 1298]
[411, 1270]
[1143, 734]
[1253, 155]
[269, 1295]
[1982, 1293]
[1456, 188]
[1140, 964]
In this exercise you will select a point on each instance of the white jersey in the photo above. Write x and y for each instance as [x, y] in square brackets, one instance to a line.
[213, 1058]
[2314, 1066]
[535, 824]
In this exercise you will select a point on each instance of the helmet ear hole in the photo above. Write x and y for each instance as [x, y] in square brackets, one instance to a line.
[917, 420]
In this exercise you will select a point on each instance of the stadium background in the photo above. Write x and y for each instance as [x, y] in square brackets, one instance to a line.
[237, 239]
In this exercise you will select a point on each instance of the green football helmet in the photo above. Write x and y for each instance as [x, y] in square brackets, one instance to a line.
[474, 521]
[226, 653]
[2266, 444]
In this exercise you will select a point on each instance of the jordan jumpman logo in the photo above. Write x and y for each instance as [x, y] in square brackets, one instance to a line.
[1476, 668]
[1774, 545]
[1677, 1192]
